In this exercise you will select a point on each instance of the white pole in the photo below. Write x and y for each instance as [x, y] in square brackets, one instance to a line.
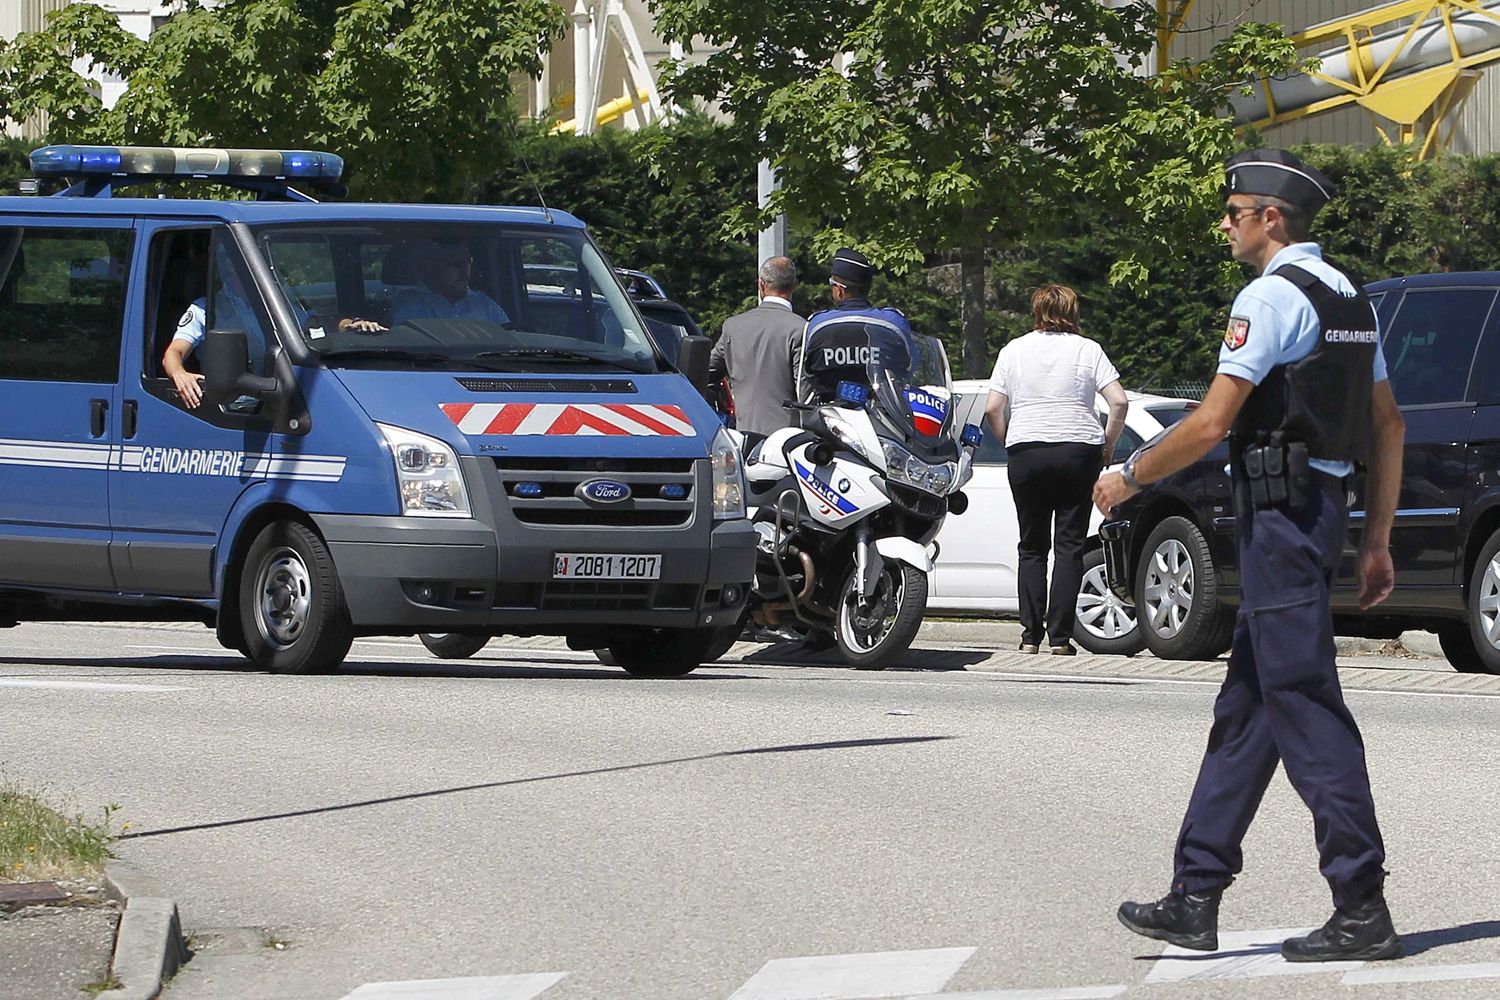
[772, 239]
[583, 64]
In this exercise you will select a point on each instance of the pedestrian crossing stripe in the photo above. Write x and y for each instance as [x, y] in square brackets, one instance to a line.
[924, 974]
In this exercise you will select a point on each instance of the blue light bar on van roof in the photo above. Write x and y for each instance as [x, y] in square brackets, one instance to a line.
[169, 161]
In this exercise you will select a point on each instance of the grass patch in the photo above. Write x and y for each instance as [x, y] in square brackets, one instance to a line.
[109, 982]
[37, 842]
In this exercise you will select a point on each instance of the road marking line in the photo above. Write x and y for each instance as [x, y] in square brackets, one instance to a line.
[475, 988]
[854, 977]
[87, 685]
[1384, 973]
[1241, 955]
[1061, 993]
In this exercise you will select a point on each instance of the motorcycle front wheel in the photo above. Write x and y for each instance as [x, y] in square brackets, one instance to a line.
[870, 638]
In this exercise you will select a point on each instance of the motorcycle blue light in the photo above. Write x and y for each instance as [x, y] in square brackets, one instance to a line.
[971, 436]
[853, 392]
[530, 491]
[674, 491]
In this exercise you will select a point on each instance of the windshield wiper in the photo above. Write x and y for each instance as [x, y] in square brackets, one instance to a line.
[561, 354]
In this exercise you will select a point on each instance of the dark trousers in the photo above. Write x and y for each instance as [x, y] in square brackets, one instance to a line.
[1281, 701]
[1051, 482]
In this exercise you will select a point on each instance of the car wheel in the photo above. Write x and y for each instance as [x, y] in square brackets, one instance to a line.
[292, 608]
[1104, 623]
[1177, 595]
[1475, 648]
[453, 645]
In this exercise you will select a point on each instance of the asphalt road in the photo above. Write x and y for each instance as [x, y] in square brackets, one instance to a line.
[530, 823]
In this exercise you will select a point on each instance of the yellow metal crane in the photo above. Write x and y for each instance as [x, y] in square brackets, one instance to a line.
[1412, 63]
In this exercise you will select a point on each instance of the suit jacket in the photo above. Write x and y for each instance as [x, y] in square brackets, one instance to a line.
[758, 351]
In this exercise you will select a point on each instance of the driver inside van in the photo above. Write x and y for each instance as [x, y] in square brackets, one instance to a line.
[444, 291]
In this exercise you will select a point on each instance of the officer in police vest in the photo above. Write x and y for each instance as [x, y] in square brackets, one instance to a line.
[1302, 385]
[852, 274]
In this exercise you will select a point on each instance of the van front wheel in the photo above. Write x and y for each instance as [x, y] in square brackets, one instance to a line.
[664, 652]
[292, 608]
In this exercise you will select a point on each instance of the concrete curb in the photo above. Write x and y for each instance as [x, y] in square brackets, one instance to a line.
[148, 944]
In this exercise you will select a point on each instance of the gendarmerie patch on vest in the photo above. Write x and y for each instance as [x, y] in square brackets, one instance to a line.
[1236, 333]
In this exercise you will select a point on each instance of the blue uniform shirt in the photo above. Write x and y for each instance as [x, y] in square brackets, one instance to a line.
[422, 302]
[232, 314]
[1273, 323]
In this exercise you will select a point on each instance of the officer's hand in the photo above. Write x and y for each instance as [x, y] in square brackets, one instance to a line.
[361, 325]
[1376, 576]
[189, 387]
[1110, 491]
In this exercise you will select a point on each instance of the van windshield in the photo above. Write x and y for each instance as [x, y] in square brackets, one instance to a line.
[455, 295]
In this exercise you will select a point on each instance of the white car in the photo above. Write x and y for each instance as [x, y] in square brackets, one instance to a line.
[976, 564]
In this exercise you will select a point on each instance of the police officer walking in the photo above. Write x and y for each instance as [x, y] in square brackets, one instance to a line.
[1302, 384]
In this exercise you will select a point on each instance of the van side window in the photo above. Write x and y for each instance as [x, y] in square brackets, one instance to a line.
[1430, 346]
[62, 303]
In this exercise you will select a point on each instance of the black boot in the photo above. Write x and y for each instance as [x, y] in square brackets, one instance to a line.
[1188, 920]
[1357, 934]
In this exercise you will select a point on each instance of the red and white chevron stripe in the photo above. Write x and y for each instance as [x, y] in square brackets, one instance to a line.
[569, 419]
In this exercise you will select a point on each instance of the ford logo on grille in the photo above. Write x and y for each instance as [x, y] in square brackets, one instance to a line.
[604, 491]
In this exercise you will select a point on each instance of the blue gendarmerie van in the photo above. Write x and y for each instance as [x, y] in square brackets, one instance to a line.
[301, 422]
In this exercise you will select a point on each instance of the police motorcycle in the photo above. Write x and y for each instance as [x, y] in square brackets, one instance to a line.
[846, 507]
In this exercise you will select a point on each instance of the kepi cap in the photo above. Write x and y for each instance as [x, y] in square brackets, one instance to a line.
[852, 267]
[1276, 173]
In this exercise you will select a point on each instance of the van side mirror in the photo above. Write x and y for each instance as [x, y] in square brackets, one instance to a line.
[225, 360]
[692, 361]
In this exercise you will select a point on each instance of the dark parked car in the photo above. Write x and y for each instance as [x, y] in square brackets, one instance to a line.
[668, 324]
[1170, 550]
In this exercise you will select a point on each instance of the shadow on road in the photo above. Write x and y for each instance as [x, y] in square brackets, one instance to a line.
[365, 668]
[618, 768]
[791, 655]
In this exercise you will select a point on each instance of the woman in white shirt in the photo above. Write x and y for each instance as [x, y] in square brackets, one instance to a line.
[1041, 404]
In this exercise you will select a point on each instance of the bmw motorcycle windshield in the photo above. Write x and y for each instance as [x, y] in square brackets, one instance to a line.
[915, 399]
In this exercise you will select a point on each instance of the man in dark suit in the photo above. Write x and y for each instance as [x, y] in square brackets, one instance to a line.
[757, 351]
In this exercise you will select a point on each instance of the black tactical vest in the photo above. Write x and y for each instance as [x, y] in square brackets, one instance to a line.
[1322, 400]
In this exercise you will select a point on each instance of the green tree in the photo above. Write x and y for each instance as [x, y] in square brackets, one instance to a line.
[913, 127]
[416, 94]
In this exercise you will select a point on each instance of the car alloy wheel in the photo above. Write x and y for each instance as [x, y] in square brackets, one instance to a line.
[1169, 588]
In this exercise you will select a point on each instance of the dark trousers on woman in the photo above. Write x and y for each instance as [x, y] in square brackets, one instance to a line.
[1051, 482]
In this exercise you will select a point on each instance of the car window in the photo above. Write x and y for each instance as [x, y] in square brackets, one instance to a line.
[1170, 413]
[62, 303]
[1430, 346]
[1126, 446]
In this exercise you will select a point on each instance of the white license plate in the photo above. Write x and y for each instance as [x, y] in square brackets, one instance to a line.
[605, 566]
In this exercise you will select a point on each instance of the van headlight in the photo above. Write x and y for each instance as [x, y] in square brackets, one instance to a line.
[728, 477]
[429, 482]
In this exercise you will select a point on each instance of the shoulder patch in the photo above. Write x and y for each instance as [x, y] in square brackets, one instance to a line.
[187, 317]
[1236, 333]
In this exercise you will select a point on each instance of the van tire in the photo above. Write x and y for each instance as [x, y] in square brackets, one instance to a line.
[453, 645]
[664, 652]
[1471, 650]
[292, 607]
[1205, 628]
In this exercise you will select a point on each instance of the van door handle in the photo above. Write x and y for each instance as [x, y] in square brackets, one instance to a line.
[98, 410]
[128, 419]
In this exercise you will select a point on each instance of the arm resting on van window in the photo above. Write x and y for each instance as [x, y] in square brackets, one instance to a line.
[1383, 486]
[189, 386]
[1119, 405]
[996, 407]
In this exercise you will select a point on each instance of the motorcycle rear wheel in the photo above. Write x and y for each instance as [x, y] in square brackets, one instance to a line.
[870, 641]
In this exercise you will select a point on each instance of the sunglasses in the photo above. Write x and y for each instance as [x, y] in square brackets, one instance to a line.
[1235, 212]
